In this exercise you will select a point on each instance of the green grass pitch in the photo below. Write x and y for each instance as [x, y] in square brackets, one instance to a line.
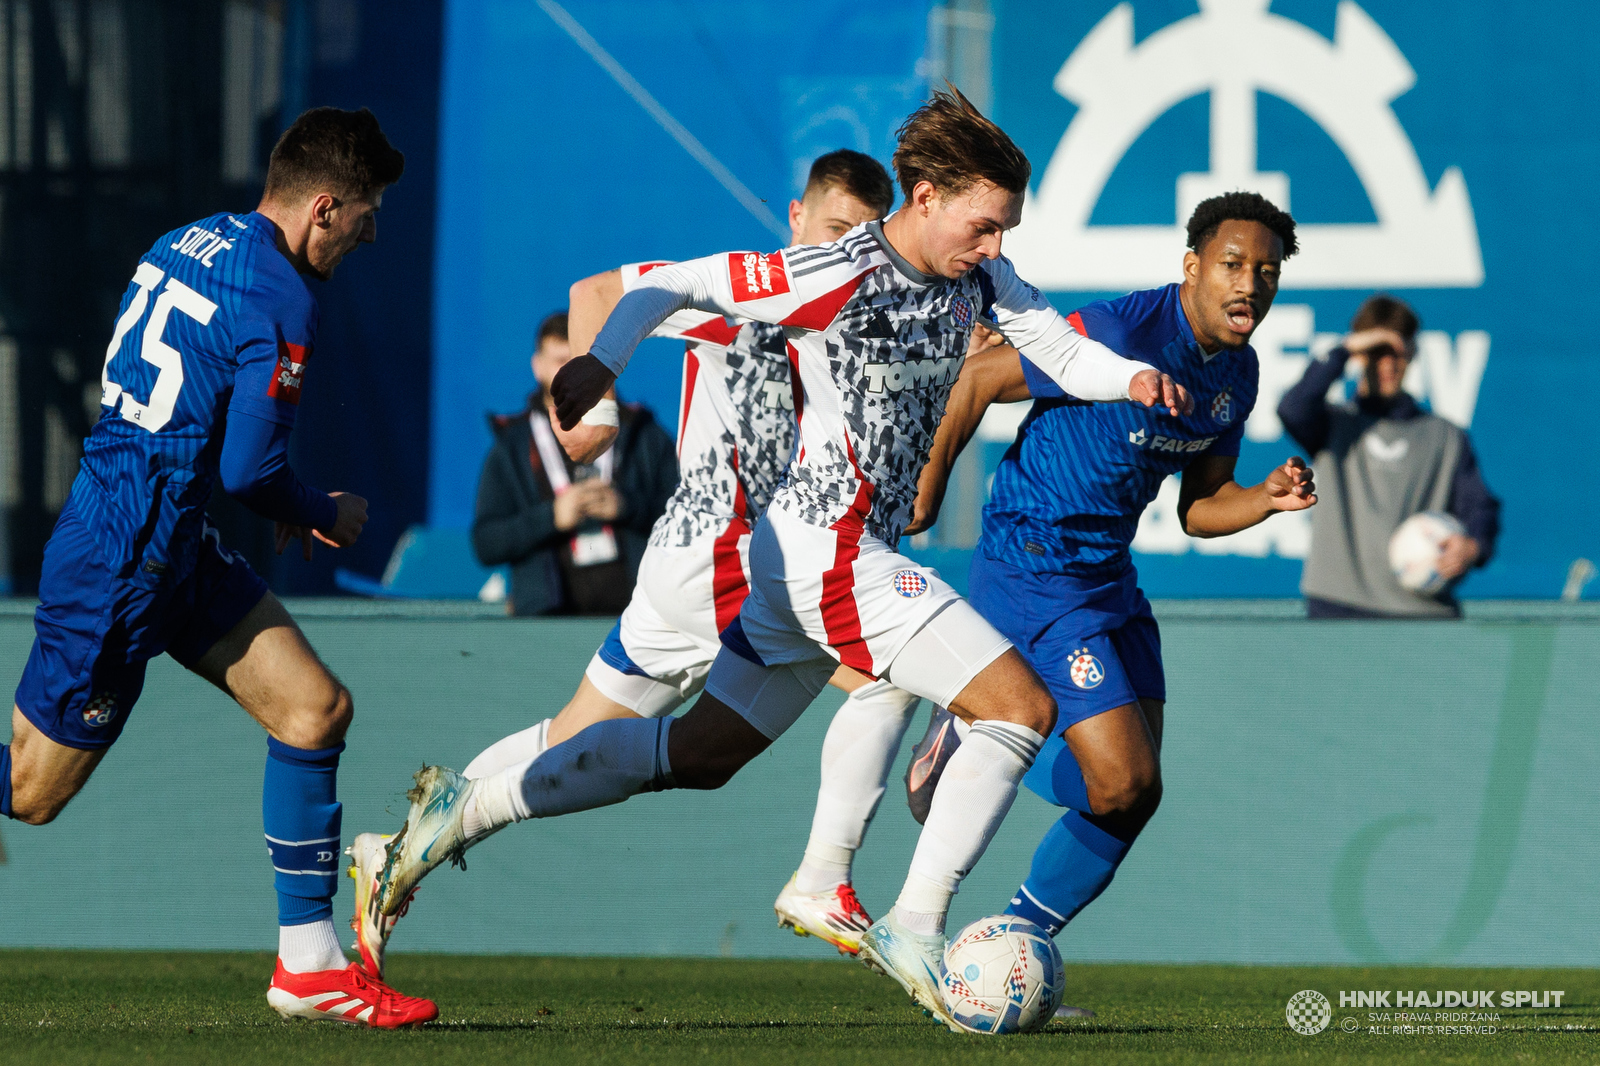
[104, 1007]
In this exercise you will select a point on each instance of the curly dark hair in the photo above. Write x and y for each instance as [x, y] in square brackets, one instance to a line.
[1244, 207]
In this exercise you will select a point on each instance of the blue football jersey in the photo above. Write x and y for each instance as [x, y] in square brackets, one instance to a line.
[215, 319]
[1068, 494]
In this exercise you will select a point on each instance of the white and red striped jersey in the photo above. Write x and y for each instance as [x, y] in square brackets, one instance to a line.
[878, 345]
[736, 428]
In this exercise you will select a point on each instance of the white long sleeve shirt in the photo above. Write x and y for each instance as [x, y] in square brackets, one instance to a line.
[878, 345]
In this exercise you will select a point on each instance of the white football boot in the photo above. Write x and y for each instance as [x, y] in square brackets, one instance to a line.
[372, 927]
[914, 960]
[433, 834]
[835, 916]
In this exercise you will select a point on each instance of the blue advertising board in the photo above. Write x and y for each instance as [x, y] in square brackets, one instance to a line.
[1442, 160]
[582, 135]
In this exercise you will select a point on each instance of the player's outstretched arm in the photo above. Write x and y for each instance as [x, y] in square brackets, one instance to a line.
[993, 375]
[1212, 504]
[1082, 367]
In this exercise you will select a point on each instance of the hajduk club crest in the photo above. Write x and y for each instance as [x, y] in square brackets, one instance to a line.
[910, 584]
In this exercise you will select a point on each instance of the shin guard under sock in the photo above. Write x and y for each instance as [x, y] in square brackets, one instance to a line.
[1073, 864]
[300, 812]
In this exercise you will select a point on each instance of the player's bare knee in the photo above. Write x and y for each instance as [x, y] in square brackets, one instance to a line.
[1036, 710]
[31, 808]
[1132, 792]
[321, 721]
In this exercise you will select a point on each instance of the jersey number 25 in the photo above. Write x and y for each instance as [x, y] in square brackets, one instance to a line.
[155, 413]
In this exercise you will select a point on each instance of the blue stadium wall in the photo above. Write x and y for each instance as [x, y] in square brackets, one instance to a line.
[1460, 145]
[364, 425]
[1406, 793]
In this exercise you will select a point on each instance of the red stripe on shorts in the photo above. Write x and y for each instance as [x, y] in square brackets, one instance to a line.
[728, 584]
[1076, 321]
[841, 618]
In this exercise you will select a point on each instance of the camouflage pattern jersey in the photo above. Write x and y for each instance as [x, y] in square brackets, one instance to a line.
[878, 345]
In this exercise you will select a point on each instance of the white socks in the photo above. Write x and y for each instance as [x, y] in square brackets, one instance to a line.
[857, 756]
[605, 764]
[310, 947]
[509, 751]
[977, 789]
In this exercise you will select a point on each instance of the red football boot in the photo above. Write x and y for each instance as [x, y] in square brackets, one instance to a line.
[347, 995]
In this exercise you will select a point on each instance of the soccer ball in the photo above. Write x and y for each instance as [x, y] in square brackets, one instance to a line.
[1414, 550]
[1002, 975]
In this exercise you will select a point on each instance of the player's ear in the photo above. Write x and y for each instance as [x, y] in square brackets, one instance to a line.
[923, 194]
[1191, 266]
[322, 206]
[797, 211]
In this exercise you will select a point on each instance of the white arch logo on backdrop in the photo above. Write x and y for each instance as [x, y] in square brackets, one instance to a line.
[1233, 48]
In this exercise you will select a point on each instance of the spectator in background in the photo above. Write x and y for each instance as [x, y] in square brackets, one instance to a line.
[572, 533]
[1381, 459]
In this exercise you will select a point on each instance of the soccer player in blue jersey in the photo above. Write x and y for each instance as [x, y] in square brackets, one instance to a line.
[202, 381]
[1053, 571]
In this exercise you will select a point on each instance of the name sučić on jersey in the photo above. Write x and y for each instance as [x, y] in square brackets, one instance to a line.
[202, 244]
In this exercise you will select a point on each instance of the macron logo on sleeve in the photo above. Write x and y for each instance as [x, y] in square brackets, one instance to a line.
[756, 276]
[288, 374]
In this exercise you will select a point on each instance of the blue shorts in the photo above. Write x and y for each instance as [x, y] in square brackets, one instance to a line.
[94, 631]
[1094, 641]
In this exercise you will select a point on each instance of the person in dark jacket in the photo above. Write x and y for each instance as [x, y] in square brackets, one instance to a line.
[572, 533]
[1381, 459]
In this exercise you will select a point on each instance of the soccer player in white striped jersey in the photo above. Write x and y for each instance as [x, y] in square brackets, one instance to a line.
[879, 323]
[736, 437]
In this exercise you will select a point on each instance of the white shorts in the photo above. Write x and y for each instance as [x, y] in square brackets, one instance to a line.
[657, 656]
[819, 597]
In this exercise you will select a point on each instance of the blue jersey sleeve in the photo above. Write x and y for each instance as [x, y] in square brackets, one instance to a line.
[273, 332]
[255, 471]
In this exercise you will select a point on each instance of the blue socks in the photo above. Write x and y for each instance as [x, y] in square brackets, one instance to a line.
[1074, 863]
[5, 780]
[301, 813]
[1078, 856]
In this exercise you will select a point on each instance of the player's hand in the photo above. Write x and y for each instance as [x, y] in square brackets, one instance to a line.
[1456, 556]
[1290, 487]
[585, 443]
[578, 386]
[1155, 389]
[347, 526]
[982, 338]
